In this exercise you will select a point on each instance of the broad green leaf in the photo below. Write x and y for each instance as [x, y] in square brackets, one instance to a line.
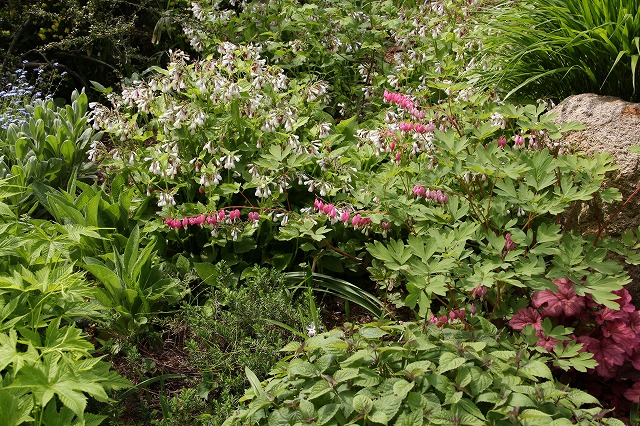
[326, 413]
[10, 355]
[379, 417]
[388, 404]
[303, 369]
[471, 408]
[371, 332]
[319, 388]
[345, 374]
[306, 409]
[412, 418]
[401, 388]
[65, 339]
[47, 379]
[449, 361]
[253, 381]
[207, 272]
[362, 404]
[14, 410]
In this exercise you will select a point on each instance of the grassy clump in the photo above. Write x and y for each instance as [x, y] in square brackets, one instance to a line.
[557, 48]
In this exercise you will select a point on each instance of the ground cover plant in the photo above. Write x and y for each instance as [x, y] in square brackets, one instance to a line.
[210, 210]
[414, 374]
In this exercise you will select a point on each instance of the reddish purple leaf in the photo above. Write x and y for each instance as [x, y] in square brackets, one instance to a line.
[563, 302]
[525, 317]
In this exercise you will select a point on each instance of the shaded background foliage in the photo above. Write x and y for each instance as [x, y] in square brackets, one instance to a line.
[99, 40]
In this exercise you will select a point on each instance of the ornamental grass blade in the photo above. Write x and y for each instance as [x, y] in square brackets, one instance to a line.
[339, 288]
[620, 55]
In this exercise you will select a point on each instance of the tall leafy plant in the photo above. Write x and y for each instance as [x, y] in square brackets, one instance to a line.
[47, 364]
[133, 285]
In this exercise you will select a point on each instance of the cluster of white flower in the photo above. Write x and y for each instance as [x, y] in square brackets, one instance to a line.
[198, 12]
[210, 179]
[373, 137]
[323, 130]
[318, 91]
[140, 96]
[94, 151]
[164, 161]
[110, 119]
[166, 199]
[177, 104]
[497, 119]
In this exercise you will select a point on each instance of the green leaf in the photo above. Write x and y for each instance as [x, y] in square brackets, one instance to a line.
[371, 332]
[22, 148]
[49, 378]
[326, 413]
[610, 195]
[580, 398]
[401, 388]
[449, 361]
[68, 149]
[536, 368]
[471, 408]
[112, 283]
[362, 404]
[52, 417]
[345, 374]
[412, 418]
[10, 355]
[207, 272]
[13, 410]
[306, 409]
[318, 389]
[530, 414]
[100, 88]
[303, 369]
[388, 404]
[253, 381]
[379, 417]
[520, 400]
[67, 339]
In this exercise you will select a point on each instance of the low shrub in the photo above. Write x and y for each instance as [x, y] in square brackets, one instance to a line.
[231, 330]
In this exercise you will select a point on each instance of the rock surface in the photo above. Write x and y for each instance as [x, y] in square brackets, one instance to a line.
[612, 125]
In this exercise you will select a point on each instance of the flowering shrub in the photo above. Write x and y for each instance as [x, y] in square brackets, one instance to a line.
[356, 47]
[496, 203]
[447, 200]
[336, 41]
[611, 335]
[220, 138]
[207, 120]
